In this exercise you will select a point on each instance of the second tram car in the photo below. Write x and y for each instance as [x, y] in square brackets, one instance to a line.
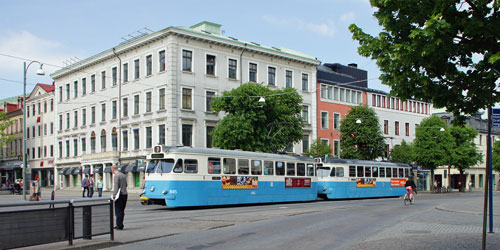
[185, 176]
[345, 179]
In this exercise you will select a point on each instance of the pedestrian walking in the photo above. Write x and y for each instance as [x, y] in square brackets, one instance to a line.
[36, 194]
[99, 186]
[85, 186]
[470, 186]
[91, 186]
[119, 196]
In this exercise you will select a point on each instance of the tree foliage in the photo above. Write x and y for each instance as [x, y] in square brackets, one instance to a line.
[403, 153]
[253, 126]
[496, 156]
[438, 51]
[5, 122]
[464, 152]
[362, 140]
[318, 149]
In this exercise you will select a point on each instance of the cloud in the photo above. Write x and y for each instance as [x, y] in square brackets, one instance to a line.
[324, 29]
[348, 17]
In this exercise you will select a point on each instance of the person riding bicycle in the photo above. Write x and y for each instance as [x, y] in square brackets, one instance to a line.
[410, 186]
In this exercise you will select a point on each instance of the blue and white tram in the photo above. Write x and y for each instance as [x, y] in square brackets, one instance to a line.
[185, 176]
[344, 179]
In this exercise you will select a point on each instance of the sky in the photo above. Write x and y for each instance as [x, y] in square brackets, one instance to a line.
[57, 31]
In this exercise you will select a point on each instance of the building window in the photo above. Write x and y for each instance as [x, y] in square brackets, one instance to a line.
[114, 139]
[336, 121]
[271, 75]
[232, 68]
[386, 127]
[75, 147]
[136, 139]
[92, 142]
[84, 117]
[67, 121]
[187, 59]
[148, 101]
[51, 150]
[45, 128]
[324, 120]
[125, 107]
[103, 112]
[396, 128]
[103, 140]
[84, 86]
[125, 140]
[114, 75]
[84, 145]
[305, 143]
[125, 72]
[51, 128]
[92, 115]
[305, 82]
[67, 96]
[209, 136]
[252, 72]
[186, 98]
[161, 60]
[305, 114]
[75, 90]
[103, 80]
[161, 134]
[113, 109]
[161, 100]
[211, 65]
[288, 78]
[60, 94]
[92, 83]
[60, 123]
[51, 104]
[187, 134]
[209, 96]
[136, 69]
[75, 117]
[67, 148]
[149, 137]
[407, 129]
[136, 104]
[149, 65]
[60, 149]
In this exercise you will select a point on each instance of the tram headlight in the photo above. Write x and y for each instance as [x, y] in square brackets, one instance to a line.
[152, 189]
[164, 192]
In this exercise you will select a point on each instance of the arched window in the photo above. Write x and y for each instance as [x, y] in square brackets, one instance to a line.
[103, 140]
[114, 139]
[92, 142]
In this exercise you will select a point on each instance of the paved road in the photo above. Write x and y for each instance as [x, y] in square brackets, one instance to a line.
[436, 221]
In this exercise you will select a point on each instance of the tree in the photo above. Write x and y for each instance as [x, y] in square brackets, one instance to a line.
[438, 51]
[403, 153]
[252, 125]
[433, 144]
[496, 156]
[360, 135]
[318, 149]
[4, 124]
[464, 153]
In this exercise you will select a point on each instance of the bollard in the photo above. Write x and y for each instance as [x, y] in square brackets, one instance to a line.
[87, 222]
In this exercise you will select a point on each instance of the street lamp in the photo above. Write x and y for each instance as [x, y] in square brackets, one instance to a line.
[41, 73]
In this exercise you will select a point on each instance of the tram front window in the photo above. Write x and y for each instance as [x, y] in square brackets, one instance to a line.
[160, 166]
[323, 171]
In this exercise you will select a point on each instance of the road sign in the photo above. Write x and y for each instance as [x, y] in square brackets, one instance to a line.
[496, 117]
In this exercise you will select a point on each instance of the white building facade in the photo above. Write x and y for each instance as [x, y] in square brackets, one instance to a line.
[114, 106]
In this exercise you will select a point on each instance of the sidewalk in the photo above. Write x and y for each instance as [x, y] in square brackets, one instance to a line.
[65, 194]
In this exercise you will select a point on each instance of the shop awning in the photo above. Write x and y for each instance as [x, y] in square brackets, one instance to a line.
[107, 170]
[86, 170]
[132, 167]
[68, 171]
[122, 168]
[142, 167]
[76, 171]
[98, 170]
[62, 170]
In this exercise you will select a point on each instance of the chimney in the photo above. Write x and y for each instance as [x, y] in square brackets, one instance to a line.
[354, 65]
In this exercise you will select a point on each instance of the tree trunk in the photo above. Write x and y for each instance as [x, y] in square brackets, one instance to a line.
[462, 181]
[449, 179]
[432, 180]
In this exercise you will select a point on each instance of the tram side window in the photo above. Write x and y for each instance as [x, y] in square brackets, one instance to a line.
[395, 172]
[229, 166]
[268, 168]
[360, 171]
[243, 166]
[280, 168]
[340, 171]
[407, 172]
[310, 170]
[388, 172]
[352, 171]
[401, 173]
[301, 169]
[368, 171]
[375, 172]
[332, 173]
[382, 172]
[191, 166]
[290, 169]
[214, 165]
[256, 167]
[178, 166]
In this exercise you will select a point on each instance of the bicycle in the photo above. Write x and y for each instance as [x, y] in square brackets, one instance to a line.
[407, 199]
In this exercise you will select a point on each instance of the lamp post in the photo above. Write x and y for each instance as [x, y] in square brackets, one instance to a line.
[38, 72]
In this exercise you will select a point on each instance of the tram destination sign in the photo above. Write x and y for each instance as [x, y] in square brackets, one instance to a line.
[496, 117]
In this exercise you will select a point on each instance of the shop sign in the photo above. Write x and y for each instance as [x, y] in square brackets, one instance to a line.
[398, 182]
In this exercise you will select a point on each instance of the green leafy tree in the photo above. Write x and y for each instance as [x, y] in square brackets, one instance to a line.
[496, 156]
[438, 51]
[5, 122]
[464, 153]
[433, 144]
[256, 126]
[403, 153]
[318, 149]
[360, 135]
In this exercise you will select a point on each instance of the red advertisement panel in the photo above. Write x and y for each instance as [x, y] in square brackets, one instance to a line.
[297, 182]
[398, 182]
